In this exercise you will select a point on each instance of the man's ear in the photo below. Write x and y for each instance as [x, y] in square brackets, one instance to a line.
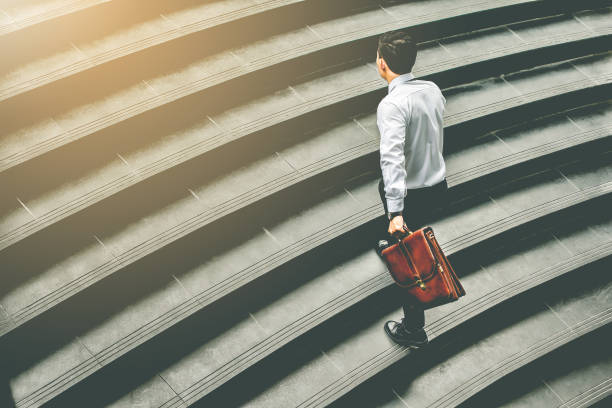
[383, 64]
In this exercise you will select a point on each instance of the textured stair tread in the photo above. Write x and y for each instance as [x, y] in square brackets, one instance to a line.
[327, 365]
[83, 260]
[551, 186]
[370, 343]
[194, 70]
[14, 213]
[571, 376]
[122, 326]
[463, 372]
[55, 270]
[68, 190]
[172, 24]
[43, 373]
[591, 380]
[475, 43]
[89, 351]
[22, 14]
[139, 313]
[597, 68]
[583, 178]
[319, 145]
[69, 133]
[595, 18]
[532, 81]
[543, 396]
[188, 205]
[135, 30]
[577, 243]
[476, 284]
[548, 130]
[122, 162]
[481, 209]
[165, 20]
[588, 303]
[598, 117]
[154, 393]
[119, 326]
[492, 94]
[273, 319]
[468, 221]
[80, 37]
[306, 300]
[518, 260]
[470, 362]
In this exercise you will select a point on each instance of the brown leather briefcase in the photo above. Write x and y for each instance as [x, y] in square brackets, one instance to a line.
[418, 264]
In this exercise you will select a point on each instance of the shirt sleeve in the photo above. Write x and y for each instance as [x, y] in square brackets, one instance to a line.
[392, 127]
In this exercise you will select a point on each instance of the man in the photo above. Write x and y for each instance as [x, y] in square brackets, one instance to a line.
[413, 184]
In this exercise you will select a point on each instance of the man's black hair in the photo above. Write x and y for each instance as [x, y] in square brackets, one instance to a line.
[398, 50]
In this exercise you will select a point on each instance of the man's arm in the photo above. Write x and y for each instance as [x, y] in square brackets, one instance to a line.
[392, 126]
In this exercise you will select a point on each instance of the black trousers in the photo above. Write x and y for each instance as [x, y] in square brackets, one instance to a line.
[420, 205]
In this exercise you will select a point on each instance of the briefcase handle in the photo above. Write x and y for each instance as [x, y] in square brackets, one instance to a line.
[402, 246]
[407, 231]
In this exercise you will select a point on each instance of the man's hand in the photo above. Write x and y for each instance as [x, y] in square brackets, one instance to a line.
[397, 226]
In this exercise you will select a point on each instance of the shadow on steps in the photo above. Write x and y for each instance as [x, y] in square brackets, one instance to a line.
[6, 395]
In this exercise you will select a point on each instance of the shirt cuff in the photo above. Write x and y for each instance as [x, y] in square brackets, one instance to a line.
[395, 204]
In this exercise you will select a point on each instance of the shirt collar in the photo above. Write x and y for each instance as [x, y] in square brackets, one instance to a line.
[402, 79]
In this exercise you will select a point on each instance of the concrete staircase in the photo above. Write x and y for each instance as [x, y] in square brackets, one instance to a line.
[189, 204]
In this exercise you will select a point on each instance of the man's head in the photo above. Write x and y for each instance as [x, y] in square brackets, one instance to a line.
[396, 54]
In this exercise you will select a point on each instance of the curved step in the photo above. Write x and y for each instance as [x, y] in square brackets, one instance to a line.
[446, 247]
[45, 301]
[169, 99]
[48, 212]
[167, 36]
[51, 213]
[374, 283]
[358, 347]
[304, 8]
[525, 357]
[132, 176]
[171, 22]
[235, 366]
[23, 17]
[505, 352]
[51, 296]
[578, 375]
[591, 396]
[82, 350]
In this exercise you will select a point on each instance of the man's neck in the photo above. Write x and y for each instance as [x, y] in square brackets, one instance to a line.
[390, 76]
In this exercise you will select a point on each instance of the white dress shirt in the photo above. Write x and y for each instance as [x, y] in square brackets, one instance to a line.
[410, 121]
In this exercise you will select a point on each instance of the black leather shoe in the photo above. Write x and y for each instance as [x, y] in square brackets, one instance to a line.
[404, 337]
